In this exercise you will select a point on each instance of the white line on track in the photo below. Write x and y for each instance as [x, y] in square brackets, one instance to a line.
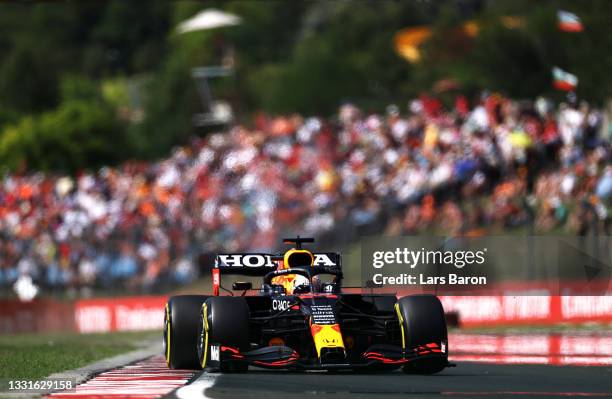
[197, 389]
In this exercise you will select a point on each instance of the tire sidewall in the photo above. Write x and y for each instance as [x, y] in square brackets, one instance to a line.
[180, 331]
[224, 321]
[423, 323]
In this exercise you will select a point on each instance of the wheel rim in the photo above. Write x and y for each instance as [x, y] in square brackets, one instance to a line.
[167, 330]
[203, 337]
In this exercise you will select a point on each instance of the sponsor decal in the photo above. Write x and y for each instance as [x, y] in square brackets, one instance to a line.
[265, 260]
[323, 260]
[93, 319]
[120, 314]
[280, 304]
[246, 260]
[129, 318]
[214, 353]
[322, 314]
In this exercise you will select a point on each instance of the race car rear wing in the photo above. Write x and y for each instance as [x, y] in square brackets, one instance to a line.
[259, 264]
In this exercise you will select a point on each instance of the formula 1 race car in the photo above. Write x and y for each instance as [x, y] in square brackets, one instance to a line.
[302, 320]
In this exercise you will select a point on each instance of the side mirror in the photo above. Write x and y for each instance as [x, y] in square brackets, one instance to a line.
[241, 285]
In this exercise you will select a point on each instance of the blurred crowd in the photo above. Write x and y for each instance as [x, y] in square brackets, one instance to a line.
[475, 167]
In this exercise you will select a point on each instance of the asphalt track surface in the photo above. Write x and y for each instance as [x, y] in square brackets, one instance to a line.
[467, 380]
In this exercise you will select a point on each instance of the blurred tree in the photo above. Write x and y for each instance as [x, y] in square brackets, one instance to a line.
[589, 51]
[36, 52]
[171, 97]
[508, 60]
[82, 132]
[344, 51]
[128, 39]
[43, 45]
[518, 60]
[171, 101]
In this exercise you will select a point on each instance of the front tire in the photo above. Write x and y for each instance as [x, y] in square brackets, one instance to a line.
[422, 322]
[181, 331]
[224, 321]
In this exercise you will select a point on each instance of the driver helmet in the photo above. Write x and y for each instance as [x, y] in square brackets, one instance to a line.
[294, 283]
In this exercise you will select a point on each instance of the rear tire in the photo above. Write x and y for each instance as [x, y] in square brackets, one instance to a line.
[181, 331]
[224, 321]
[424, 323]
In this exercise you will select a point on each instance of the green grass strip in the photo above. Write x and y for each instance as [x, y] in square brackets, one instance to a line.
[39, 355]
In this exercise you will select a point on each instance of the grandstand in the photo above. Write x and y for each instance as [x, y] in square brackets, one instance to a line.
[491, 166]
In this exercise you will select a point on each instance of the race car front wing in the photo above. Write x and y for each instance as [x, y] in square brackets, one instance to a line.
[280, 357]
